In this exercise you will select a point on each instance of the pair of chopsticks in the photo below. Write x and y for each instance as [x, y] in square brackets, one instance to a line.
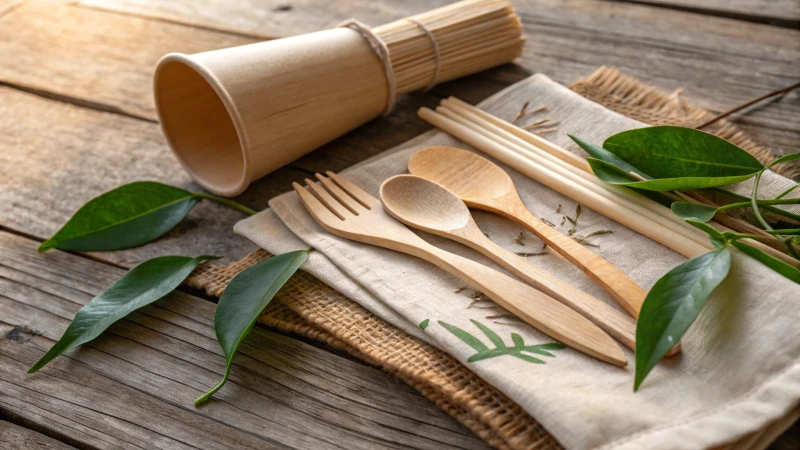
[570, 175]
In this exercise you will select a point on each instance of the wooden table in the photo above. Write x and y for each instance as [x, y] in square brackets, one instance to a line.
[77, 119]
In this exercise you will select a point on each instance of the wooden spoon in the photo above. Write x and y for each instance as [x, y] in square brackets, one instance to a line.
[427, 206]
[484, 185]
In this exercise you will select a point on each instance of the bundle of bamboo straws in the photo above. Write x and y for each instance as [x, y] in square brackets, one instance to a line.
[571, 175]
[451, 41]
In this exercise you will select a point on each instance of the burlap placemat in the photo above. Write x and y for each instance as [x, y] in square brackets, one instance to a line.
[309, 308]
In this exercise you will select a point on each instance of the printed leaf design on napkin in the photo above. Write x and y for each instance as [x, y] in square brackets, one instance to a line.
[500, 347]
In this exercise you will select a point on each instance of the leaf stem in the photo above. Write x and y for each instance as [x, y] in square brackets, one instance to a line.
[754, 202]
[226, 202]
[204, 398]
[786, 192]
[775, 201]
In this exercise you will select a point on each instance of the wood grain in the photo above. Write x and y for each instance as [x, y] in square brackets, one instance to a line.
[15, 437]
[783, 10]
[63, 155]
[136, 383]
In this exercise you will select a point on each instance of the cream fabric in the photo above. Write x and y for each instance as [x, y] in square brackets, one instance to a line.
[739, 370]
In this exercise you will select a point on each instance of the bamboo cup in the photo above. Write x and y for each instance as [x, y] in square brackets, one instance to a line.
[234, 115]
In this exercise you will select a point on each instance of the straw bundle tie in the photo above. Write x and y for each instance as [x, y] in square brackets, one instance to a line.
[436, 55]
[382, 50]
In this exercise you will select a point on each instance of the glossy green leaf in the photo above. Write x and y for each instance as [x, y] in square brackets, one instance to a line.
[130, 215]
[675, 152]
[602, 154]
[785, 158]
[770, 261]
[614, 175]
[142, 285]
[243, 302]
[717, 239]
[673, 304]
[693, 211]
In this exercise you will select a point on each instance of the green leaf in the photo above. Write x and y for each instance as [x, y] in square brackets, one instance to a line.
[467, 338]
[770, 261]
[517, 339]
[142, 285]
[675, 152]
[673, 304]
[613, 175]
[243, 302]
[693, 211]
[496, 340]
[130, 215]
[424, 324]
[602, 154]
[784, 158]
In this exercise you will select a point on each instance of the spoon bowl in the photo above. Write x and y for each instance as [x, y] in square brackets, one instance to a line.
[423, 204]
[469, 176]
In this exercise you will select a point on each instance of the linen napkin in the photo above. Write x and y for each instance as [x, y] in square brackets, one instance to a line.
[739, 370]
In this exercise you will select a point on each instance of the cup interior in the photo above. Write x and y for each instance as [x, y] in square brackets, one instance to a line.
[198, 122]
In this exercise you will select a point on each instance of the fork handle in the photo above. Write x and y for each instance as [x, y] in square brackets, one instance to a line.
[532, 306]
[627, 293]
[617, 323]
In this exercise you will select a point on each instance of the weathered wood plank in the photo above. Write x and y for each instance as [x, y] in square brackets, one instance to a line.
[14, 437]
[720, 62]
[56, 156]
[104, 59]
[136, 383]
[783, 10]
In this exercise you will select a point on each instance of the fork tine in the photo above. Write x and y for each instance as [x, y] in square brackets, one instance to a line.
[356, 192]
[328, 200]
[315, 206]
[340, 195]
[320, 212]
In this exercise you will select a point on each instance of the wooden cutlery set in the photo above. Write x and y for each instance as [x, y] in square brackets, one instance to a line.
[444, 181]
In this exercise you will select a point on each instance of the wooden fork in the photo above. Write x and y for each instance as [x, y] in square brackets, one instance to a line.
[345, 210]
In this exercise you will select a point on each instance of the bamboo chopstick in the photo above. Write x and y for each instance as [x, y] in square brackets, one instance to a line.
[535, 141]
[625, 197]
[566, 186]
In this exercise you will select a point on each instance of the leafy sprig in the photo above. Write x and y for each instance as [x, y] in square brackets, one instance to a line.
[669, 159]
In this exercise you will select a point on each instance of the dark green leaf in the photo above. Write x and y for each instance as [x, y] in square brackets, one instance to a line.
[770, 261]
[677, 152]
[424, 324]
[130, 215]
[613, 175]
[785, 158]
[142, 285]
[243, 301]
[496, 340]
[693, 211]
[673, 304]
[467, 338]
[602, 154]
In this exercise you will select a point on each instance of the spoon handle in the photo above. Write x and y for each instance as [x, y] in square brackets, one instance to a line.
[532, 306]
[627, 293]
[613, 321]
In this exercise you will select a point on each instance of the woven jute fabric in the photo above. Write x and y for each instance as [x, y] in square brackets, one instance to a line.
[308, 307]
